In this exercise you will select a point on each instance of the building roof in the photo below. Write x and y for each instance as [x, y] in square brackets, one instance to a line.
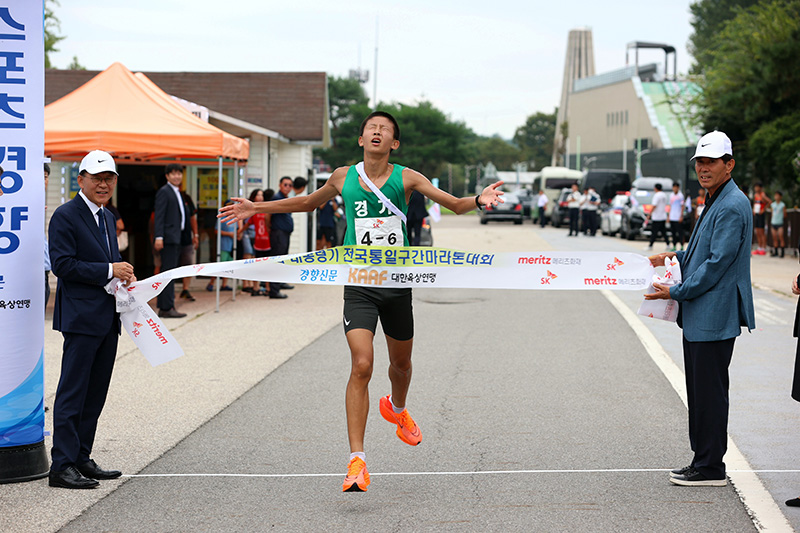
[131, 117]
[294, 104]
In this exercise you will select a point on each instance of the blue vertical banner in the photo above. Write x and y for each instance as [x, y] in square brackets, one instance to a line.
[21, 240]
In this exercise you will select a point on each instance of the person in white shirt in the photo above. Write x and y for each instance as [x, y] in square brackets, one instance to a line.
[657, 217]
[573, 204]
[676, 216]
[541, 202]
[589, 204]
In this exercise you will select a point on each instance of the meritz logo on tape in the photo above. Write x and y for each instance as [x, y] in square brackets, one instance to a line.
[540, 260]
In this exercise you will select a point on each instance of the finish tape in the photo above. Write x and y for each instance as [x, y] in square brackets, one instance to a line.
[373, 266]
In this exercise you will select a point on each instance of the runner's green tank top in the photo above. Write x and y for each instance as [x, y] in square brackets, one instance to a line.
[360, 203]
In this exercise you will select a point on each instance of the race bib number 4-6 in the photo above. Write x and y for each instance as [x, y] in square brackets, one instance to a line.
[379, 231]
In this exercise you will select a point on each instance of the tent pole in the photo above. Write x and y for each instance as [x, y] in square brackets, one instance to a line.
[219, 231]
[236, 231]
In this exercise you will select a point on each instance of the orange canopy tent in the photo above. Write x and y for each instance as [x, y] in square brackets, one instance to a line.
[131, 117]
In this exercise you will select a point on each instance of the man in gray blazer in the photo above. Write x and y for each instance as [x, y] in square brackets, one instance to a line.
[716, 301]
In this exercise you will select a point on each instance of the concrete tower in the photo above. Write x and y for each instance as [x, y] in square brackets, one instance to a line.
[579, 64]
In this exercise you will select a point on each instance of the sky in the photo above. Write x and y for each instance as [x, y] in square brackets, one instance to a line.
[490, 64]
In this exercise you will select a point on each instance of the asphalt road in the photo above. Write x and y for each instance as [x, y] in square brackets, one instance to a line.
[539, 412]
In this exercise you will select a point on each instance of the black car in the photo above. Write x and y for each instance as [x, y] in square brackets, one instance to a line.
[607, 182]
[560, 213]
[527, 199]
[510, 209]
[639, 205]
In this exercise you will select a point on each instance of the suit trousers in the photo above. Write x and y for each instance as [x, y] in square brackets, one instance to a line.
[707, 383]
[170, 258]
[86, 368]
[279, 240]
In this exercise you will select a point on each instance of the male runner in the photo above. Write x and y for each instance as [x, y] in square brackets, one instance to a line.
[379, 136]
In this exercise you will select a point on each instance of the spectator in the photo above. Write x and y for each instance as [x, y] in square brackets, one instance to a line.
[760, 206]
[281, 229]
[573, 204]
[299, 185]
[227, 233]
[657, 217]
[415, 215]
[190, 241]
[541, 203]
[676, 216]
[260, 223]
[778, 209]
[716, 301]
[248, 233]
[326, 225]
[589, 204]
[169, 222]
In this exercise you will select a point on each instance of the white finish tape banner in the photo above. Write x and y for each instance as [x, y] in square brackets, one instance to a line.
[389, 267]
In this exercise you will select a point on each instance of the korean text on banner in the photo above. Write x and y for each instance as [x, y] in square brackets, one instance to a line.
[21, 223]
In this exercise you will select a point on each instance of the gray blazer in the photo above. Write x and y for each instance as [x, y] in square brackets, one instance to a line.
[716, 297]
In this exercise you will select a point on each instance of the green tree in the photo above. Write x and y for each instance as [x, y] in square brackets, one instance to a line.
[429, 140]
[349, 105]
[75, 65]
[500, 152]
[708, 20]
[751, 86]
[51, 26]
[535, 138]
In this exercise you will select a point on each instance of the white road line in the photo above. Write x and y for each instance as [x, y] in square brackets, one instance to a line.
[769, 318]
[760, 505]
[478, 473]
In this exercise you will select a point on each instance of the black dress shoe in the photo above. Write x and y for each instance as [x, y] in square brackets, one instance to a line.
[794, 502]
[172, 313]
[91, 470]
[71, 478]
[286, 286]
[278, 296]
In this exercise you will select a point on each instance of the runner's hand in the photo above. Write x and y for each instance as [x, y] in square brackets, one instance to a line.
[491, 196]
[241, 209]
[795, 288]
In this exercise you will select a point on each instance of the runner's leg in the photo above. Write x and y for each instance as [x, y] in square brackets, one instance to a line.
[399, 368]
[357, 394]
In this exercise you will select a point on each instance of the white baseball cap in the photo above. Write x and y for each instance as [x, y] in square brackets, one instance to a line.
[714, 145]
[98, 161]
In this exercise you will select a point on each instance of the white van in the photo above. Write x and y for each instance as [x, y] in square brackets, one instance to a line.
[551, 180]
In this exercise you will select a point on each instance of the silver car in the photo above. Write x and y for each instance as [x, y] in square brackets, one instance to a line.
[611, 217]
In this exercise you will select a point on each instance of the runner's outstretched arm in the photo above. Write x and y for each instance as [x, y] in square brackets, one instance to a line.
[459, 206]
[242, 208]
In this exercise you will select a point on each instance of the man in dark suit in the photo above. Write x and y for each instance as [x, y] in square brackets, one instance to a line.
[169, 222]
[716, 301]
[84, 259]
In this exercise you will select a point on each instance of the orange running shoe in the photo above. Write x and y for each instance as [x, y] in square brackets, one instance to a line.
[357, 478]
[407, 430]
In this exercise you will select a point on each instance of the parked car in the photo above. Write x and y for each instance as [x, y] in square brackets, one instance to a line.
[607, 182]
[611, 216]
[560, 213]
[511, 209]
[528, 201]
[639, 205]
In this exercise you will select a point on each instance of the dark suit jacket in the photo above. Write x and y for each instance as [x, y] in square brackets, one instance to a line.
[167, 220]
[716, 296]
[80, 259]
[416, 207]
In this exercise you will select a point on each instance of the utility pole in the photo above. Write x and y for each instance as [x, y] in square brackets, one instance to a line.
[375, 78]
